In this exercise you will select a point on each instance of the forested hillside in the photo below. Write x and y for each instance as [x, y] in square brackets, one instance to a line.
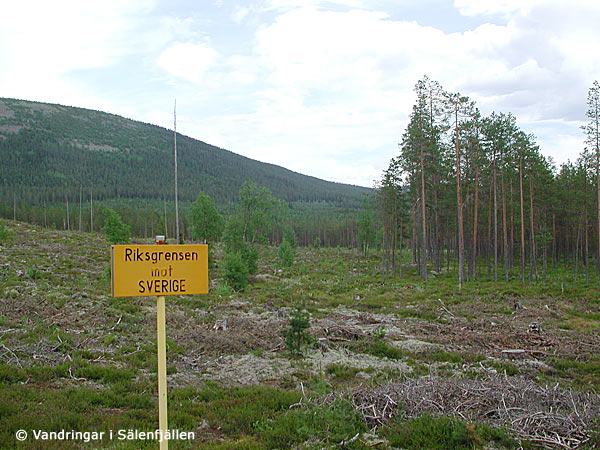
[49, 152]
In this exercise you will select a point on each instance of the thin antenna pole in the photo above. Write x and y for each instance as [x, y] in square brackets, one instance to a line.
[165, 203]
[80, 209]
[176, 196]
[91, 212]
[68, 222]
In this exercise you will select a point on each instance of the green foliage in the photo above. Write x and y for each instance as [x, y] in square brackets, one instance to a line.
[206, 222]
[234, 242]
[378, 347]
[222, 290]
[3, 234]
[237, 411]
[444, 433]
[116, 231]
[296, 336]
[34, 273]
[235, 270]
[56, 149]
[341, 372]
[290, 236]
[257, 211]
[328, 423]
[583, 373]
[61, 152]
[366, 226]
[250, 256]
[233, 237]
[286, 253]
[243, 443]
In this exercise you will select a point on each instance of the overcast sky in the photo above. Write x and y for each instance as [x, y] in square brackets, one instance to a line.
[320, 87]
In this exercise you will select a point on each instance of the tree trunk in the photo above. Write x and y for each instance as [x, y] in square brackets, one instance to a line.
[461, 244]
[423, 222]
[448, 253]
[68, 221]
[91, 212]
[475, 219]
[522, 222]
[585, 252]
[489, 235]
[598, 186]
[576, 255]
[495, 224]
[400, 249]
[80, 208]
[436, 233]
[554, 246]
[511, 246]
[533, 249]
[585, 229]
[414, 230]
[504, 231]
[394, 231]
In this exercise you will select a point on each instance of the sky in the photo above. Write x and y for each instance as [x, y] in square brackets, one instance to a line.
[320, 87]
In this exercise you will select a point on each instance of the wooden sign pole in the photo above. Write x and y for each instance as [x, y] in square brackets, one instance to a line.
[161, 341]
[162, 370]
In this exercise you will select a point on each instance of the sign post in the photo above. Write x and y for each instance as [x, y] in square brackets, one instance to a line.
[162, 370]
[161, 342]
[146, 270]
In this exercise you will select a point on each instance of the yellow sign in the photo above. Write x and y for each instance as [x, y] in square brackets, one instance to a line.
[145, 270]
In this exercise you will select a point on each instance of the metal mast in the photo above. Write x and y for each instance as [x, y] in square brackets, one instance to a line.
[176, 196]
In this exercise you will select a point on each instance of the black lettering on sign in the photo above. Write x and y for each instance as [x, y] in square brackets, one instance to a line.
[158, 287]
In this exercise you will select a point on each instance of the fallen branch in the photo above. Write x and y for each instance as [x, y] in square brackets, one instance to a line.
[13, 354]
[443, 306]
[551, 416]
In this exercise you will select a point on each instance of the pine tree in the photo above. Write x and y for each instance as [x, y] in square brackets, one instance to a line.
[592, 133]
[116, 231]
[459, 109]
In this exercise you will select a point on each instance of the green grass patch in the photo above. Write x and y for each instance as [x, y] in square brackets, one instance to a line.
[583, 373]
[327, 424]
[444, 433]
[236, 410]
[341, 372]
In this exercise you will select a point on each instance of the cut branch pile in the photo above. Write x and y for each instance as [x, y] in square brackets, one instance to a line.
[551, 416]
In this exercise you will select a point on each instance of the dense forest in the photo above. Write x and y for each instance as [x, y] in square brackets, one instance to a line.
[475, 193]
[57, 161]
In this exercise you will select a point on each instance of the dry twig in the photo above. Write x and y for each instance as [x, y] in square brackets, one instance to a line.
[549, 415]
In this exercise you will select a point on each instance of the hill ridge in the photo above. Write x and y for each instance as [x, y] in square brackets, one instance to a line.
[49, 151]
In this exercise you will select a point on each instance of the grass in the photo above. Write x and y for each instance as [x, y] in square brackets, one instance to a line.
[444, 433]
[584, 374]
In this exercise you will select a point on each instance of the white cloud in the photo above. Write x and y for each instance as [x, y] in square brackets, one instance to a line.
[320, 86]
[510, 7]
[477, 7]
[188, 61]
[44, 44]
[290, 4]
[324, 64]
[240, 13]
